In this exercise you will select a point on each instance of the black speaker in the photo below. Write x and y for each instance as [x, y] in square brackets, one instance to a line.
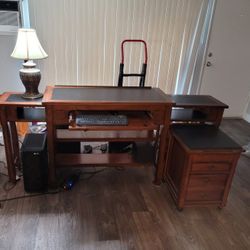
[35, 163]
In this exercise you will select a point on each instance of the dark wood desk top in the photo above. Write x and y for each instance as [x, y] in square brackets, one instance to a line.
[108, 94]
[15, 99]
[100, 94]
[197, 101]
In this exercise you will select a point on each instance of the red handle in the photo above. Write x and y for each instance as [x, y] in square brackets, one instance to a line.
[134, 41]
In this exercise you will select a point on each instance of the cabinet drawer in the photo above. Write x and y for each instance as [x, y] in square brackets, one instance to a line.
[211, 167]
[211, 181]
[214, 157]
[206, 187]
[205, 195]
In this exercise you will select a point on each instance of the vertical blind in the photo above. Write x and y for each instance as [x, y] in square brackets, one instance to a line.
[83, 37]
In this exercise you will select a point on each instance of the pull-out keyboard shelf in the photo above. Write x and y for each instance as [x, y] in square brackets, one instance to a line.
[140, 121]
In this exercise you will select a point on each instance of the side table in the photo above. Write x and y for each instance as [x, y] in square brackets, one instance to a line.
[13, 108]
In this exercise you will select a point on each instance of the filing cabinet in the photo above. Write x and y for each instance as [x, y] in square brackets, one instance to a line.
[200, 165]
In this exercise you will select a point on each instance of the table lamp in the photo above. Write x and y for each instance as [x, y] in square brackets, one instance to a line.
[28, 48]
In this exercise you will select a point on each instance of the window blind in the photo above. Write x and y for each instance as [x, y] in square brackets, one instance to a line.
[83, 37]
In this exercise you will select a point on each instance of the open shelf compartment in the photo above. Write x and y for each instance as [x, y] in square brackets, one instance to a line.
[188, 115]
[142, 155]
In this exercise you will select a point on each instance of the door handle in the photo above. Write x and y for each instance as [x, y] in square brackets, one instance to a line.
[209, 64]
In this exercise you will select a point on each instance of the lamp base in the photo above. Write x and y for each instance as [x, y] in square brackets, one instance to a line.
[30, 77]
[31, 97]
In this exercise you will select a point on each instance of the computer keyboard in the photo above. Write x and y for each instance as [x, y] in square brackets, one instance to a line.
[101, 119]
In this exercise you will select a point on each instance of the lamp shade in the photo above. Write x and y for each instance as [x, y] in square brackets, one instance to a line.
[28, 46]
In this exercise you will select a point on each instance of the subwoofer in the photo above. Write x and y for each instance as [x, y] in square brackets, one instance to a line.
[35, 162]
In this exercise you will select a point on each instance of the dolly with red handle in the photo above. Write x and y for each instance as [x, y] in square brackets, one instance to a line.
[142, 75]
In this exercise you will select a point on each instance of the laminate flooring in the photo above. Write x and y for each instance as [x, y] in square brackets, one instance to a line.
[122, 209]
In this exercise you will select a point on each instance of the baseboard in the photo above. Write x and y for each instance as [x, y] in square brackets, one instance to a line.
[246, 117]
[246, 114]
[232, 117]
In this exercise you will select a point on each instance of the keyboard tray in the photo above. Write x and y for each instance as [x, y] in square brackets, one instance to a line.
[134, 121]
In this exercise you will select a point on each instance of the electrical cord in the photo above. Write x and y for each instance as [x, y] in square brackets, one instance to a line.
[4, 165]
[3, 174]
[7, 189]
[91, 175]
[31, 195]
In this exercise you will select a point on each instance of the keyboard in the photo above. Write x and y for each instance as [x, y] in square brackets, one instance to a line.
[101, 119]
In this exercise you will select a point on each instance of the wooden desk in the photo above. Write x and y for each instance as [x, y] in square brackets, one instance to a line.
[147, 109]
[13, 108]
[60, 101]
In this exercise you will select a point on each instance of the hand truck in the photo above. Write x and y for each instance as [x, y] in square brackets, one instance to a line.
[142, 75]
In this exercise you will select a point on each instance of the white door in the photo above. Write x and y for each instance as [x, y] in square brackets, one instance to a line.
[226, 75]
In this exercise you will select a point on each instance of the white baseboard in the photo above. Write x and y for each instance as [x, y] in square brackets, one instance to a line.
[246, 117]
[246, 114]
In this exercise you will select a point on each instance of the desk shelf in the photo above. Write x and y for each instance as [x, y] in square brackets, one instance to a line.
[31, 113]
[143, 154]
[115, 159]
[80, 135]
[187, 115]
[25, 114]
[197, 109]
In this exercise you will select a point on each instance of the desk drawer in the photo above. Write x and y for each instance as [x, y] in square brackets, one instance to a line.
[211, 167]
[206, 187]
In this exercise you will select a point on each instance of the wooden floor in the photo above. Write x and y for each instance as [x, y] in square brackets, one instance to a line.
[123, 210]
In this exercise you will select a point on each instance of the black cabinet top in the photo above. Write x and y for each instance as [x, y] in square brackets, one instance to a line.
[197, 100]
[204, 137]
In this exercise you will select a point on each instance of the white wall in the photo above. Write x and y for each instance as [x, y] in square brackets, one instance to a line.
[228, 79]
[9, 67]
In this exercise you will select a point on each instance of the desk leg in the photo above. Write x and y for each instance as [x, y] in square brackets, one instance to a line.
[51, 151]
[15, 145]
[161, 156]
[8, 147]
